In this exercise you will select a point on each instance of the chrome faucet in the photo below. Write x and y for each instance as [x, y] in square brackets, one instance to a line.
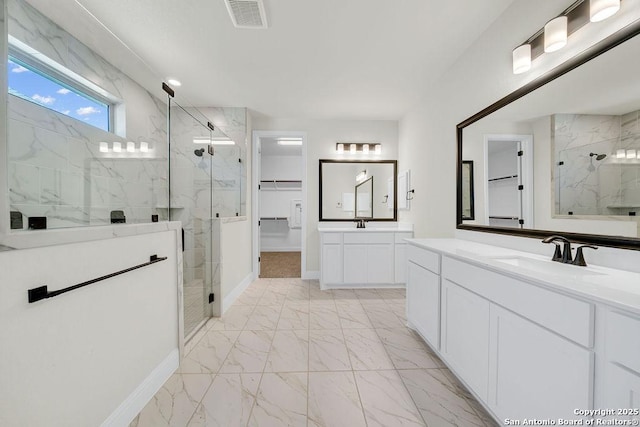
[564, 255]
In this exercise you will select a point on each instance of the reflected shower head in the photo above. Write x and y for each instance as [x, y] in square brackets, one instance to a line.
[598, 156]
[199, 152]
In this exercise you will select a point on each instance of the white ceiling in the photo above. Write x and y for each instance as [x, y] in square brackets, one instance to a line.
[340, 59]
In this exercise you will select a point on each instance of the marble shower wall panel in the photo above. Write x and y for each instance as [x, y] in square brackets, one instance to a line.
[70, 181]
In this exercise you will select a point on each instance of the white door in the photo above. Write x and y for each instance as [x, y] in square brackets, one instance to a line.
[380, 265]
[423, 303]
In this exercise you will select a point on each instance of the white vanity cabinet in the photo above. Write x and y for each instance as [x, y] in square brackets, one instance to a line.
[524, 350]
[621, 372]
[353, 258]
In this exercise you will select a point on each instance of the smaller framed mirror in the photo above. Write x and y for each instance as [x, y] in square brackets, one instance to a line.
[468, 211]
[358, 189]
[364, 199]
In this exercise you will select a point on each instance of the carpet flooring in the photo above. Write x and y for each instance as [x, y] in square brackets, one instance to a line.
[279, 264]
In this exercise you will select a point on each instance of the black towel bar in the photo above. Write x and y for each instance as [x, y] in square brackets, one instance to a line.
[39, 293]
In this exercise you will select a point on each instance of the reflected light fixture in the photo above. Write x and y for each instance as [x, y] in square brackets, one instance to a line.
[631, 154]
[352, 148]
[117, 147]
[131, 147]
[599, 10]
[365, 149]
[340, 148]
[361, 176]
[104, 147]
[378, 149]
[201, 140]
[621, 154]
[174, 82]
[522, 59]
[289, 141]
[222, 141]
[555, 34]
[144, 147]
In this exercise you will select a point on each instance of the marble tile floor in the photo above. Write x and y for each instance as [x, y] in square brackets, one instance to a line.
[288, 354]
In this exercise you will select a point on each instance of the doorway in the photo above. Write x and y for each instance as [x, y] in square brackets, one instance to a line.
[280, 201]
[509, 180]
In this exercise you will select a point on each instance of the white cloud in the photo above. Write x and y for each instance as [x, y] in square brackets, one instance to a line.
[46, 100]
[87, 110]
[18, 69]
[66, 112]
[63, 91]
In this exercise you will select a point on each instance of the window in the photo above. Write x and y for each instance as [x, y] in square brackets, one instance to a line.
[38, 85]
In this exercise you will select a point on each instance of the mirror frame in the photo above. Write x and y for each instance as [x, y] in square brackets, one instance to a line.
[596, 50]
[470, 190]
[395, 190]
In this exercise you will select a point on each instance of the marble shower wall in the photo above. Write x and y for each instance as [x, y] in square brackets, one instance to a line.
[55, 166]
[586, 186]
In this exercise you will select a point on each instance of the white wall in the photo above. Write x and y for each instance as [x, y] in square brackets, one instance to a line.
[481, 76]
[73, 359]
[322, 136]
[235, 253]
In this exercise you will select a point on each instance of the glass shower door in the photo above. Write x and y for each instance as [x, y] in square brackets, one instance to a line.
[191, 203]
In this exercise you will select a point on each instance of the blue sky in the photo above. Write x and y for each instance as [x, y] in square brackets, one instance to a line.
[29, 85]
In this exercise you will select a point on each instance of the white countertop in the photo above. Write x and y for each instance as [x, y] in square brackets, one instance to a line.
[613, 287]
[378, 228]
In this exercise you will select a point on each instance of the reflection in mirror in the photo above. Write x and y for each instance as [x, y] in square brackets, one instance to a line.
[341, 195]
[566, 156]
[364, 199]
[468, 211]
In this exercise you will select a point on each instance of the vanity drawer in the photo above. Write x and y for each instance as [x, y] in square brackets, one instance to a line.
[399, 237]
[366, 237]
[623, 339]
[332, 238]
[424, 258]
[567, 316]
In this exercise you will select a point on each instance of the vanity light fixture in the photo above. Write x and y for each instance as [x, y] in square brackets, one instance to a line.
[631, 154]
[144, 147]
[117, 147]
[599, 10]
[555, 34]
[365, 148]
[131, 147]
[352, 148]
[522, 59]
[104, 147]
[340, 148]
[378, 149]
[621, 154]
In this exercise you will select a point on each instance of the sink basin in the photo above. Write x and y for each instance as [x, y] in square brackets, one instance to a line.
[549, 267]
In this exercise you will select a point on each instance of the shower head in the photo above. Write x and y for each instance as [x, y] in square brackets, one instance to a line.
[598, 156]
[199, 152]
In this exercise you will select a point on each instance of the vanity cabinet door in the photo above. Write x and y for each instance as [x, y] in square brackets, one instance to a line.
[621, 390]
[465, 335]
[331, 263]
[423, 303]
[400, 266]
[355, 263]
[380, 268]
[533, 372]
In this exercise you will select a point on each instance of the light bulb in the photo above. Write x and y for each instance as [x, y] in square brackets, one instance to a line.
[521, 59]
[117, 147]
[352, 148]
[365, 149]
[144, 147]
[104, 147]
[631, 154]
[340, 148]
[599, 10]
[555, 34]
[131, 147]
[378, 149]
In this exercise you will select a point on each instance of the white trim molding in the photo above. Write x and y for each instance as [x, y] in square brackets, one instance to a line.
[236, 292]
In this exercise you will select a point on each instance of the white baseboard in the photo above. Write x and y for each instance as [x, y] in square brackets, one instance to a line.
[236, 292]
[311, 275]
[131, 407]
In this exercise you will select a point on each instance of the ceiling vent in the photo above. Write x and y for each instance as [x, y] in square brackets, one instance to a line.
[247, 13]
